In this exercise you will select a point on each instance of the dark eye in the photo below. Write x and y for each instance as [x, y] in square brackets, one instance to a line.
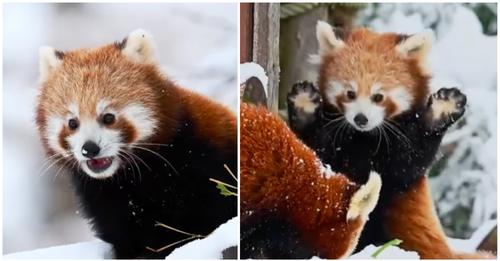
[73, 124]
[351, 95]
[377, 97]
[108, 118]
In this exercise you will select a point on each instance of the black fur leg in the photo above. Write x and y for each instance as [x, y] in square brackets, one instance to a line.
[272, 238]
[304, 108]
[445, 107]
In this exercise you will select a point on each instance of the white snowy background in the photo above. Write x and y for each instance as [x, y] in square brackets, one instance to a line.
[197, 47]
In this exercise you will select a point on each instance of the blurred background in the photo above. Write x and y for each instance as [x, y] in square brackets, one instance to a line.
[197, 47]
[464, 54]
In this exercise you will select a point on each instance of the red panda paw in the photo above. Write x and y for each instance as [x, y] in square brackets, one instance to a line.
[304, 103]
[446, 106]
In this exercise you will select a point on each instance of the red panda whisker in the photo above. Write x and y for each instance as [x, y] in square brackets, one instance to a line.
[333, 127]
[43, 171]
[157, 154]
[59, 170]
[398, 134]
[131, 163]
[137, 157]
[345, 128]
[153, 144]
[334, 120]
[67, 163]
[386, 137]
[379, 139]
[396, 129]
[136, 165]
[50, 160]
[342, 126]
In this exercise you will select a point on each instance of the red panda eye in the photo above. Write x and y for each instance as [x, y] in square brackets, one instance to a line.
[73, 124]
[351, 95]
[377, 97]
[108, 118]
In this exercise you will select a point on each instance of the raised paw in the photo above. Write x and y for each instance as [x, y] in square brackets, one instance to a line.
[304, 102]
[447, 106]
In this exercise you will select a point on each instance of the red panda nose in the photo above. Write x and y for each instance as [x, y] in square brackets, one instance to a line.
[360, 120]
[90, 149]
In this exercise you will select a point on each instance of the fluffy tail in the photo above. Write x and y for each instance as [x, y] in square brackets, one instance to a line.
[365, 199]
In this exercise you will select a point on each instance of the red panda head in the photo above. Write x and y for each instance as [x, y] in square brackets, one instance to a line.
[95, 104]
[372, 77]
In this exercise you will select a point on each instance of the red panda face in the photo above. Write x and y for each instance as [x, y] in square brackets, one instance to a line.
[95, 105]
[371, 77]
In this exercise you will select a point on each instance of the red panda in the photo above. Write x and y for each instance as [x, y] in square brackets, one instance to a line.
[374, 112]
[140, 149]
[283, 178]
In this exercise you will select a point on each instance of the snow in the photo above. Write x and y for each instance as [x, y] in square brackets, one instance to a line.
[249, 70]
[211, 247]
[470, 245]
[96, 249]
[391, 252]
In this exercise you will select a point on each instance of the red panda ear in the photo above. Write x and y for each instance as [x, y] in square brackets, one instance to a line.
[416, 46]
[327, 40]
[49, 60]
[139, 47]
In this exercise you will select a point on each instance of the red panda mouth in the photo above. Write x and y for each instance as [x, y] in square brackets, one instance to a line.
[99, 164]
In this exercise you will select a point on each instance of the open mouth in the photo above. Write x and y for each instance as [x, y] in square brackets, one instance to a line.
[99, 164]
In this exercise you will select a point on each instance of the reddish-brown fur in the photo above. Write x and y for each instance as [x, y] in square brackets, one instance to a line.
[279, 173]
[411, 217]
[370, 58]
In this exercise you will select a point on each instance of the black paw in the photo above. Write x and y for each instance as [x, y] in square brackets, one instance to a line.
[304, 102]
[446, 106]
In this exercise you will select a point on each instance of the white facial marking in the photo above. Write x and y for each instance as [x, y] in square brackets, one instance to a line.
[139, 115]
[334, 89]
[402, 98]
[73, 109]
[362, 105]
[353, 86]
[101, 107]
[54, 127]
[376, 88]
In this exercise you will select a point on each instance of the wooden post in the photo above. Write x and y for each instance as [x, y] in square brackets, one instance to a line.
[266, 47]
[246, 32]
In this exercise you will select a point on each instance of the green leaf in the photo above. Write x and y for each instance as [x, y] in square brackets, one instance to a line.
[394, 242]
[224, 191]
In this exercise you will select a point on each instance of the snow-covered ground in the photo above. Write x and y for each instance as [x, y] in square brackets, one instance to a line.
[197, 47]
[211, 247]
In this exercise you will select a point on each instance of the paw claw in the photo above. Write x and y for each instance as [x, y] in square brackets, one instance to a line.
[447, 106]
